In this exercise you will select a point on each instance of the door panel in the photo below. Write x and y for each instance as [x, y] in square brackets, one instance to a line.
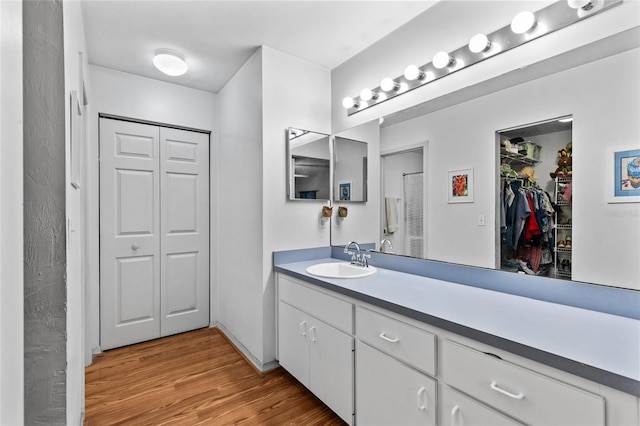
[184, 170]
[135, 291]
[129, 233]
[293, 326]
[182, 283]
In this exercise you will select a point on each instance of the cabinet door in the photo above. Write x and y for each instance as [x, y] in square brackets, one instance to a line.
[389, 392]
[460, 410]
[293, 326]
[331, 368]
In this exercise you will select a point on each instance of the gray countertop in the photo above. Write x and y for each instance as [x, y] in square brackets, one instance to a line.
[599, 346]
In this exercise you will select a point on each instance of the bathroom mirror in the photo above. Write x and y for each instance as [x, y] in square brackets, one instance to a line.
[309, 164]
[350, 170]
[461, 136]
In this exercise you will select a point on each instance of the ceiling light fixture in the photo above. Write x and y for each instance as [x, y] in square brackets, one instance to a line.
[479, 43]
[523, 22]
[170, 62]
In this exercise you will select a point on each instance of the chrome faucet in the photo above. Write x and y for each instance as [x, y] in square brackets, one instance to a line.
[357, 257]
[383, 242]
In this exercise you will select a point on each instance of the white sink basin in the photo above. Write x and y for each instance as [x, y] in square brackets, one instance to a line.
[340, 270]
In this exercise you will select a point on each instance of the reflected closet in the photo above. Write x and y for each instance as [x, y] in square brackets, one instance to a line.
[534, 199]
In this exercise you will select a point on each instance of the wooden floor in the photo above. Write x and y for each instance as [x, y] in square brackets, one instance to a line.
[192, 379]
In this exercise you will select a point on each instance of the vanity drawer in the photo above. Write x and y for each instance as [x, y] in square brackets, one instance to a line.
[405, 342]
[331, 310]
[458, 409]
[524, 394]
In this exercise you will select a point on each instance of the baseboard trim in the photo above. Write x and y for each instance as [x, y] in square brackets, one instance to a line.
[257, 366]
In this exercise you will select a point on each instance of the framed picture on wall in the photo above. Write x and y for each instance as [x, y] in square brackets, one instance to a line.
[460, 186]
[624, 175]
[345, 191]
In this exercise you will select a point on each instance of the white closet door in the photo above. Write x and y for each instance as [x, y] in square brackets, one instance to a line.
[129, 233]
[184, 206]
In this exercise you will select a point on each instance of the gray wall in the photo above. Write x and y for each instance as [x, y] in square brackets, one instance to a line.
[44, 215]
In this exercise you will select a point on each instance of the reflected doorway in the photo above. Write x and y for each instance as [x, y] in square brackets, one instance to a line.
[534, 199]
[403, 203]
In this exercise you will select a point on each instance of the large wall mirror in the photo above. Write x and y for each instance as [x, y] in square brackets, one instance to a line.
[349, 170]
[309, 163]
[468, 138]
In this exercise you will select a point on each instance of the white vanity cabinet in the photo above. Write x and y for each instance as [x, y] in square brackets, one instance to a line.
[409, 372]
[389, 392]
[312, 349]
[458, 409]
[524, 394]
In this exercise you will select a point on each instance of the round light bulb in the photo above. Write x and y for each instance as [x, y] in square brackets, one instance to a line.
[366, 94]
[412, 72]
[523, 22]
[170, 62]
[479, 43]
[442, 60]
[577, 4]
[387, 84]
[348, 102]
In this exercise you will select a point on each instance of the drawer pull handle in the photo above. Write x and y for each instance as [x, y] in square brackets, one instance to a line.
[303, 328]
[454, 413]
[495, 387]
[312, 334]
[388, 339]
[422, 399]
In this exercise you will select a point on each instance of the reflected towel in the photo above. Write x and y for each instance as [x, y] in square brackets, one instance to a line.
[391, 213]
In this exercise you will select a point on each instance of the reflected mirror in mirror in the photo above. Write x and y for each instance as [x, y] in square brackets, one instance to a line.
[350, 170]
[309, 159]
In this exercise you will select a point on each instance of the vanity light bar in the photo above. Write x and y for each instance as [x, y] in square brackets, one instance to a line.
[556, 16]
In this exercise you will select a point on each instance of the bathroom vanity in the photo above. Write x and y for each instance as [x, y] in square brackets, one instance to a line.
[405, 348]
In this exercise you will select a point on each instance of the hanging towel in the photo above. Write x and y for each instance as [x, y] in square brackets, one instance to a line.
[391, 213]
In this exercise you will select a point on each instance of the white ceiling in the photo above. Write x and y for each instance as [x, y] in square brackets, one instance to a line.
[217, 37]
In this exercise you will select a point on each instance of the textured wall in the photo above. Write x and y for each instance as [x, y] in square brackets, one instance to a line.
[44, 215]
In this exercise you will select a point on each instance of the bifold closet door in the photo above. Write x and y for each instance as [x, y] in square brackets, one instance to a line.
[184, 219]
[129, 233]
[154, 232]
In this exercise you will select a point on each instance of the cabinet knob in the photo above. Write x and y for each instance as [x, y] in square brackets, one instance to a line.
[135, 247]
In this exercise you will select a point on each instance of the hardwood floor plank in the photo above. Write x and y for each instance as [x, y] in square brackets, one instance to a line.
[195, 378]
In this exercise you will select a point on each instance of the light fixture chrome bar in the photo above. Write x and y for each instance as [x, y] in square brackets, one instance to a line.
[550, 19]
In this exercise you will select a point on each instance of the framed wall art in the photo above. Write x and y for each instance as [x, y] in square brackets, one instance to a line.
[345, 191]
[460, 186]
[624, 175]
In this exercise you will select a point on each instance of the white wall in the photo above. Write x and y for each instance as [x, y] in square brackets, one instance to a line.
[127, 95]
[295, 94]
[11, 220]
[75, 64]
[240, 200]
[604, 99]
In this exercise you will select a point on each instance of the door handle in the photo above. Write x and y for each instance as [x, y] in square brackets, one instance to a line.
[135, 247]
